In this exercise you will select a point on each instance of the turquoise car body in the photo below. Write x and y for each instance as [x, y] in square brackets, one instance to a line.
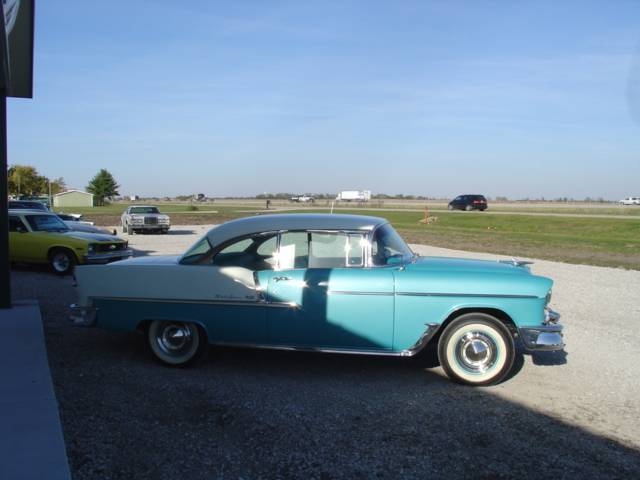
[392, 309]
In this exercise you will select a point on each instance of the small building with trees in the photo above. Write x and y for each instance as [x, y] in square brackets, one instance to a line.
[73, 198]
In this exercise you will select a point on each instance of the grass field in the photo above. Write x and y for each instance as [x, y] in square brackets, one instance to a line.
[594, 241]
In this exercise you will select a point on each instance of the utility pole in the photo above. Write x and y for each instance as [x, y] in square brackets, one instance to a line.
[5, 264]
[16, 80]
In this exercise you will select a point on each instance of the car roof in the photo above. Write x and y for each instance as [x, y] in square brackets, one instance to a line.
[22, 211]
[142, 206]
[291, 221]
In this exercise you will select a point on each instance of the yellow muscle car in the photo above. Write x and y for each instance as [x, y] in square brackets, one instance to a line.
[41, 237]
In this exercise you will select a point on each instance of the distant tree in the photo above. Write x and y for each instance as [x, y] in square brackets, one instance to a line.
[25, 180]
[58, 185]
[103, 186]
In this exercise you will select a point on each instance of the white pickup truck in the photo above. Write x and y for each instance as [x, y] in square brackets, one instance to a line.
[630, 201]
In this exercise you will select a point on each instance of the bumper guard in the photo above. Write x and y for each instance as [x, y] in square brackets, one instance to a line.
[546, 337]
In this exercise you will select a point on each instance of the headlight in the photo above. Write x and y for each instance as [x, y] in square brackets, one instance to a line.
[137, 219]
[163, 219]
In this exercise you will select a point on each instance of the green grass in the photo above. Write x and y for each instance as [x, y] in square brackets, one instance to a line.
[594, 241]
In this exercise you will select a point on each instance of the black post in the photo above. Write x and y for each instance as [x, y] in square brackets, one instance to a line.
[5, 265]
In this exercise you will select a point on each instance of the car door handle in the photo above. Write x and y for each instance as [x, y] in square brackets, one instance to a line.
[281, 279]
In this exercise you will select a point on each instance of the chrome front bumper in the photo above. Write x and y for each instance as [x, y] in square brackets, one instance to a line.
[108, 256]
[150, 226]
[83, 316]
[546, 337]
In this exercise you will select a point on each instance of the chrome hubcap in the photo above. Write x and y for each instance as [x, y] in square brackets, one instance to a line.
[60, 262]
[174, 339]
[476, 352]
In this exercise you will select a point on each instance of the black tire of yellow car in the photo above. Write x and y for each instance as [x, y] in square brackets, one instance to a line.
[159, 330]
[62, 261]
[456, 350]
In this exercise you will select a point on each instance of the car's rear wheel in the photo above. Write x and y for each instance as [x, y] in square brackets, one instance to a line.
[476, 349]
[177, 344]
[468, 208]
[62, 261]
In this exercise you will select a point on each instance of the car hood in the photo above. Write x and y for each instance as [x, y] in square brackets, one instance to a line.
[148, 260]
[92, 237]
[458, 265]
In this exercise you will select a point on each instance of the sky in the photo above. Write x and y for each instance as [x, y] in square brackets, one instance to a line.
[517, 99]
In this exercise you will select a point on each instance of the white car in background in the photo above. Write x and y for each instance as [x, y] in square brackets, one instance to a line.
[138, 218]
[630, 201]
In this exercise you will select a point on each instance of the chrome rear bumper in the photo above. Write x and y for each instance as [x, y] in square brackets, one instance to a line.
[83, 316]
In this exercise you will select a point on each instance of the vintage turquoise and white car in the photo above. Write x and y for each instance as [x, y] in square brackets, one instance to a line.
[328, 283]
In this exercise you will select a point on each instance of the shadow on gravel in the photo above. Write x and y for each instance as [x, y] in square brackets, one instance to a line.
[252, 413]
[180, 232]
[549, 358]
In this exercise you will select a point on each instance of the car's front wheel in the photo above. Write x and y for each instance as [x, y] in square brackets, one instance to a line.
[476, 349]
[177, 344]
[450, 207]
[61, 261]
[124, 228]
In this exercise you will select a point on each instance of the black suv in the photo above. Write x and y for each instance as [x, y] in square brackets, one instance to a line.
[468, 203]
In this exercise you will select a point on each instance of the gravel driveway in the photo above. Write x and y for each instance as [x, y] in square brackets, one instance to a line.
[264, 414]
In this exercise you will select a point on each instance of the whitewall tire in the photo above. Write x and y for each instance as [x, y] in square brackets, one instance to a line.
[476, 349]
[177, 344]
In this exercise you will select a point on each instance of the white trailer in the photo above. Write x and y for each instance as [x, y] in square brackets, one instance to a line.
[354, 196]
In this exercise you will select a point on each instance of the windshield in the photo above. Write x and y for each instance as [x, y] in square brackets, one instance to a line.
[144, 210]
[387, 247]
[197, 252]
[46, 223]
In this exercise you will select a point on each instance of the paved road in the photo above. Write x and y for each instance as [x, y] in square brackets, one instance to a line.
[444, 210]
[258, 414]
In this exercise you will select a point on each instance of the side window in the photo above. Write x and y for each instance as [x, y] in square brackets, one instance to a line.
[294, 250]
[15, 224]
[355, 250]
[335, 250]
[255, 253]
[237, 247]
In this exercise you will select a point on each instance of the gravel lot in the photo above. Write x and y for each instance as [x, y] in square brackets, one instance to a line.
[263, 414]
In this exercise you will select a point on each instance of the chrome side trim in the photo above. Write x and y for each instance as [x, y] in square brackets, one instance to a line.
[481, 295]
[428, 334]
[383, 353]
[243, 303]
[351, 292]
[431, 330]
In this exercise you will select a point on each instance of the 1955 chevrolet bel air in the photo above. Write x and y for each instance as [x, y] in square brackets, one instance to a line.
[329, 283]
